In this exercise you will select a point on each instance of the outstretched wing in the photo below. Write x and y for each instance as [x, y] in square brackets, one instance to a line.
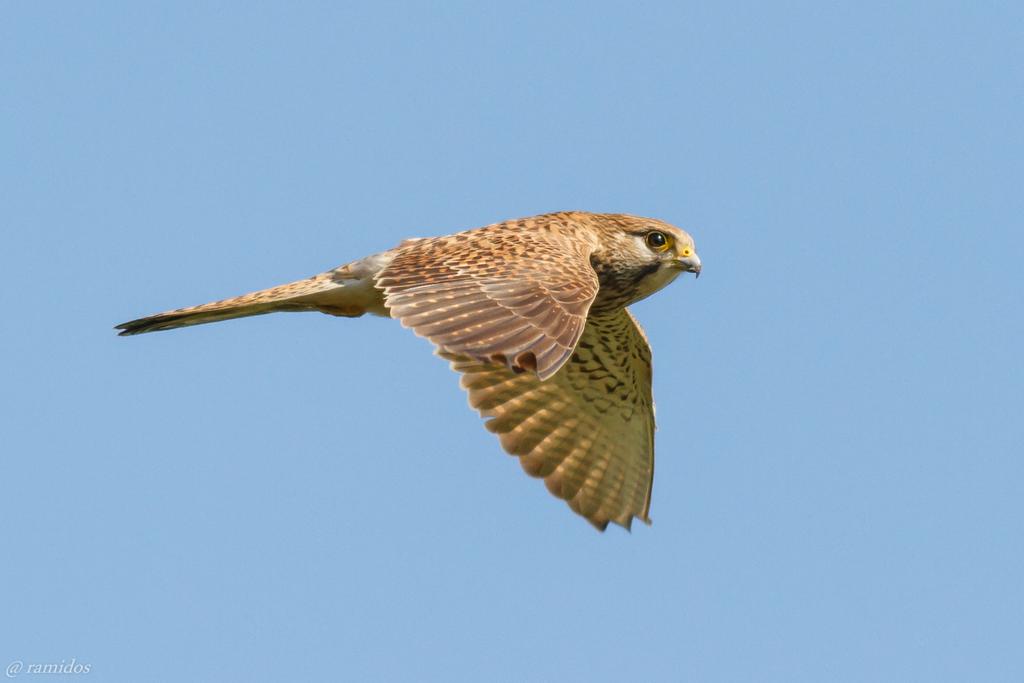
[589, 430]
[513, 293]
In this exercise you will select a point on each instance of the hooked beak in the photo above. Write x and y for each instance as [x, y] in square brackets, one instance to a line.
[690, 264]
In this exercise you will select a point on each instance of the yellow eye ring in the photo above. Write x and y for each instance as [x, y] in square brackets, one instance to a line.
[658, 241]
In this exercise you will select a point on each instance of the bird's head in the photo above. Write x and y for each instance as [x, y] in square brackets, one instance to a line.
[642, 255]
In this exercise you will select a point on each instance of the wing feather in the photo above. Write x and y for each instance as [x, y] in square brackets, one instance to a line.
[519, 293]
[589, 429]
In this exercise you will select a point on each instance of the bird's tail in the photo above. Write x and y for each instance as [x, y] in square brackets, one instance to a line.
[346, 291]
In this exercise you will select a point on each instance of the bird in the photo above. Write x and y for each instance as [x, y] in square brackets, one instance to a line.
[532, 313]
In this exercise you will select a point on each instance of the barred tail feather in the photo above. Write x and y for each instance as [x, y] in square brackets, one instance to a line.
[346, 291]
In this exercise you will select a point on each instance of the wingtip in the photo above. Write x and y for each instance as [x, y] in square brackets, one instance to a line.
[627, 522]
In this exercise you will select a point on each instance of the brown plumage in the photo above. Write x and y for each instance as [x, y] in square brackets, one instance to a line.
[532, 313]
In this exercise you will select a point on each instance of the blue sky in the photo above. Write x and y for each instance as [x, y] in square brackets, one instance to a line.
[296, 497]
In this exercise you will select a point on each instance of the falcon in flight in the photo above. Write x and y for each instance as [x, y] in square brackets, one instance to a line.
[532, 313]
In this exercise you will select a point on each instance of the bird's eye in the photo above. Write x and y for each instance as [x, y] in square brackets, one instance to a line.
[658, 241]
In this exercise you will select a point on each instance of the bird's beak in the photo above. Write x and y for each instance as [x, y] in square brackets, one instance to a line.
[690, 264]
